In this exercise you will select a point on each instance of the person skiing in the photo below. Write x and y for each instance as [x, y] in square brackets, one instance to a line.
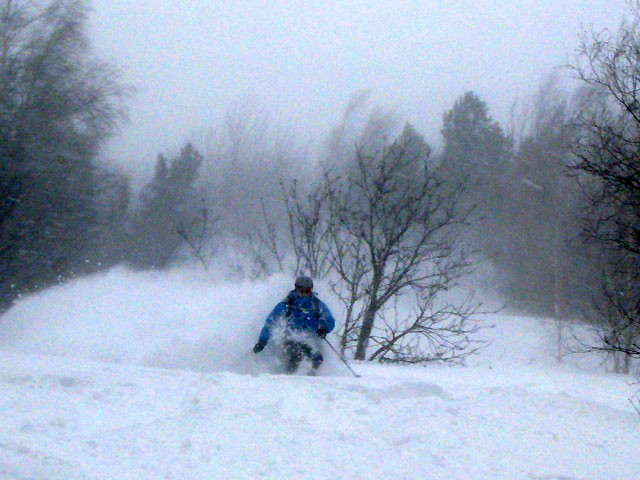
[304, 320]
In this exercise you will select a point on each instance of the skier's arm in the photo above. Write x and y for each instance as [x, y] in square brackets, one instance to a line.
[276, 313]
[327, 317]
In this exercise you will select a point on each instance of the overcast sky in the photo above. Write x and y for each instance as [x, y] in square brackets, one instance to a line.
[193, 60]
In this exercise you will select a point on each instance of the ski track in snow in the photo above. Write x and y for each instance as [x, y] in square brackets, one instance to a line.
[89, 420]
[188, 400]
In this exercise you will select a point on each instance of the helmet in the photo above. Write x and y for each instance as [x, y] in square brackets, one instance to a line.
[304, 282]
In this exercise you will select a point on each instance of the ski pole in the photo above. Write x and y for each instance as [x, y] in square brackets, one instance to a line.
[341, 358]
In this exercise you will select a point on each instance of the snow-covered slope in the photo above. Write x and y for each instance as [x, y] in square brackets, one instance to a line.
[142, 376]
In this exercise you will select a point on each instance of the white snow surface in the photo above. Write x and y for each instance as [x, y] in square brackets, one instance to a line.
[128, 375]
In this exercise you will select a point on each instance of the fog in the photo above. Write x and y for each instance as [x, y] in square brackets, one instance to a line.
[192, 62]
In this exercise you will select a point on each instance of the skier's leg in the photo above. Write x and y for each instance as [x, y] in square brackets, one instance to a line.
[293, 355]
[314, 356]
[316, 360]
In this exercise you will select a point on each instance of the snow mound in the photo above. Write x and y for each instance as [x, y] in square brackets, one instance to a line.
[146, 376]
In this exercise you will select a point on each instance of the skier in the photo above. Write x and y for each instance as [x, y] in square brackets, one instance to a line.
[304, 319]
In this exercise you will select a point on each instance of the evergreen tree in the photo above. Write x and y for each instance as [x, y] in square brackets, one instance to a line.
[477, 159]
[167, 201]
[474, 144]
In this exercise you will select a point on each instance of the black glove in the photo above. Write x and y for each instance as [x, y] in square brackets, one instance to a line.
[258, 347]
[322, 330]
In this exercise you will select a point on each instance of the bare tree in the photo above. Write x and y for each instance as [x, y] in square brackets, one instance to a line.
[199, 234]
[246, 158]
[307, 229]
[635, 402]
[58, 103]
[608, 169]
[390, 234]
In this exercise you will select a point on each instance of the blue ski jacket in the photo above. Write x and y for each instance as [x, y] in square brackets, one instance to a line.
[298, 314]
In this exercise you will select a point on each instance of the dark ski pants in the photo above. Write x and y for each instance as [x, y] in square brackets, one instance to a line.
[295, 352]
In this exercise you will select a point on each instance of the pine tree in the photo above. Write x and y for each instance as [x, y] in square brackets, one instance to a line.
[167, 201]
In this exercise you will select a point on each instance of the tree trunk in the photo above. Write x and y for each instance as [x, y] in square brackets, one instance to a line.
[365, 332]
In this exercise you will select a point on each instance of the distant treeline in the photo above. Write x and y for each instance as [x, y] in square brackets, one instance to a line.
[548, 208]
